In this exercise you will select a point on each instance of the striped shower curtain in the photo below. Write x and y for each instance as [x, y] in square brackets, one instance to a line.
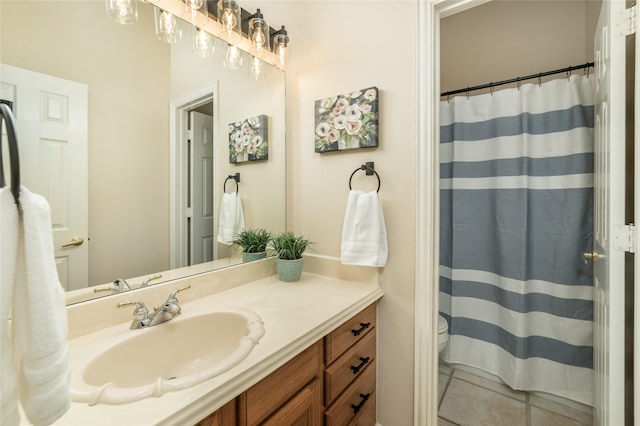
[516, 178]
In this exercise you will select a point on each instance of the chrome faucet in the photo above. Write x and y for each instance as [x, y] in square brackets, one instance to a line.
[141, 317]
[118, 286]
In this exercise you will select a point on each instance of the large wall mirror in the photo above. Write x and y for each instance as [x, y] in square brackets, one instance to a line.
[140, 99]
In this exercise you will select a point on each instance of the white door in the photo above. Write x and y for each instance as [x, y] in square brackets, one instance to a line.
[51, 125]
[201, 188]
[609, 204]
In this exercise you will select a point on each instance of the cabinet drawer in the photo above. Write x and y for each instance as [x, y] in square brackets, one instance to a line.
[355, 400]
[349, 366]
[349, 333]
[267, 396]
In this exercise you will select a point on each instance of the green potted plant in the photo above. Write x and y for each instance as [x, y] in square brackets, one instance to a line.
[289, 249]
[254, 243]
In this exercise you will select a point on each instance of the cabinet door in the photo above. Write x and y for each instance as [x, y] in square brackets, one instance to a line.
[304, 409]
[225, 416]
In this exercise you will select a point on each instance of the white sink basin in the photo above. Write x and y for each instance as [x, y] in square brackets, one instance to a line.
[187, 350]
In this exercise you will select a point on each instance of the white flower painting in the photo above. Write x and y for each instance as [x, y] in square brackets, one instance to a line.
[248, 140]
[347, 121]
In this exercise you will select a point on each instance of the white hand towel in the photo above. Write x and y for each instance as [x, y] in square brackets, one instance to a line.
[8, 251]
[364, 235]
[231, 218]
[39, 317]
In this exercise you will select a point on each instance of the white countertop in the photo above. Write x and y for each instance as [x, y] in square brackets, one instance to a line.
[295, 316]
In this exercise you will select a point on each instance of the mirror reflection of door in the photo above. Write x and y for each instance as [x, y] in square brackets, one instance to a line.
[201, 187]
[51, 124]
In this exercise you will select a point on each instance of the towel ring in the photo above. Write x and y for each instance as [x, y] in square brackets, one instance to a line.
[369, 171]
[235, 178]
[14, 159]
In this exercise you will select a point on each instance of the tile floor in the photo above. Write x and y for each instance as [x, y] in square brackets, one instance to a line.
[467, 399]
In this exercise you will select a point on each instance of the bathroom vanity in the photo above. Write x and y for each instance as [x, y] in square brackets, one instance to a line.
[315, 363]
[337, 372]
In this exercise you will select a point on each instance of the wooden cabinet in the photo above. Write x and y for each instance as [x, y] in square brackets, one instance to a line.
[276, 394]
[350, 372]
[331, 383]
[225, 416]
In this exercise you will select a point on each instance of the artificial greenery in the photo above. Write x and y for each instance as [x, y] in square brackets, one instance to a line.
[289, 246]
[253, 240]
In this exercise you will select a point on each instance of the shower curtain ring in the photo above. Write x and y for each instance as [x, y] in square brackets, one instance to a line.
[468, 93]
[518, 82]
[491, 88]
[539, 79]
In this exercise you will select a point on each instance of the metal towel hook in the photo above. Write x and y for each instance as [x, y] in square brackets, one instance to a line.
[14, 159]
[235, 178]
[369, 170]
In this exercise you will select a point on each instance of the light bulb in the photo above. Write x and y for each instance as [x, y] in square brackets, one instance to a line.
[233, 57]
[194, 4]
[203, 44]
[282, 49]
[123, 11]
[167, 26]
[256, 68]
[229, 20]
[259, 39]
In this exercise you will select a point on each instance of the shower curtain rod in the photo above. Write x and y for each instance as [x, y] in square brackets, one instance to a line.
[519, 79]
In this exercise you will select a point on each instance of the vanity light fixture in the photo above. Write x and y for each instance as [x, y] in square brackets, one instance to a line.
[279, 42]
[232, 57]
[203, 43]
[259, 34]
[167, 26]
[229, 18]
[123, 11]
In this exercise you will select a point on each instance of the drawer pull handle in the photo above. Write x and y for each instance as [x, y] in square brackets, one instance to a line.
[363, 361]
[363, 327]
[357, 408]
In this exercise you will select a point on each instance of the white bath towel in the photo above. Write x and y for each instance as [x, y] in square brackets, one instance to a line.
[364, 234]
[8, 252]
[231, 218]
[39, 317]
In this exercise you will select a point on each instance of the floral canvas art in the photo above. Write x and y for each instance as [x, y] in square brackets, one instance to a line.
[248, 140]
[347, 121]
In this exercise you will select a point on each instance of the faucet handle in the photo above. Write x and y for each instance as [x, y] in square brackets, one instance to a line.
[140, 312]
[148, 279]
[173, 294]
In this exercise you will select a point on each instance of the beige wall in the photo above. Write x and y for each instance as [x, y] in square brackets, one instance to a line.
[339, 47]
[128, 121]
[262, 183]
[501, 40]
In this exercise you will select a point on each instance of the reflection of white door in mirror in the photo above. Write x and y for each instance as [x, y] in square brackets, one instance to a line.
[51, 119]
[201, 230]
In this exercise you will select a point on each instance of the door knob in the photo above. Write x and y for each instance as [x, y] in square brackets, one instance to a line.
[75, 241]
[590, 255]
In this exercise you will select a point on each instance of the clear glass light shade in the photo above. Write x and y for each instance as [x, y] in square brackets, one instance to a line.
[259, 35]
[167, 26]
[232, 57]
[123, 11]
[203, 43]
[229, 18]
[279, 47]
[256, 68]
[196, 12]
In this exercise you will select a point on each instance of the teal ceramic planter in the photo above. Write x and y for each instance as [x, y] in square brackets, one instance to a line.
[250, 257]
[289, 270]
